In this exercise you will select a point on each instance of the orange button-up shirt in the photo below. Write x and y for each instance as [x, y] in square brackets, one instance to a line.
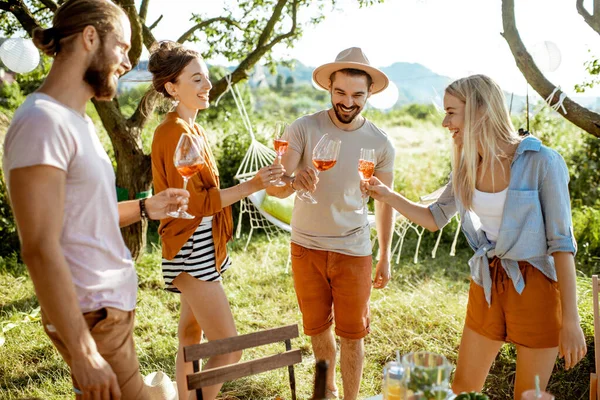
[205, 199]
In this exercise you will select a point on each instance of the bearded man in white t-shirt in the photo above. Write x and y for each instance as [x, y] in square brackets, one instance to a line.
[62, 189]
[331, 247]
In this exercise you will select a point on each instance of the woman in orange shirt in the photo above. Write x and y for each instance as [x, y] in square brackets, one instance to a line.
[195, 250]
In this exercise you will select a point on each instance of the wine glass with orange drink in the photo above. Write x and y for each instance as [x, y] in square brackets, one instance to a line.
[189, 160]
[280, 146]
[366, 168]
[325, 155]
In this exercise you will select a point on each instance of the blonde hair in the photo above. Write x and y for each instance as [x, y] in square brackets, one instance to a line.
[487, 125]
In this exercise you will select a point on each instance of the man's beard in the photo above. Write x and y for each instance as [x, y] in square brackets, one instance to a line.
[343, 119]
[99, 75]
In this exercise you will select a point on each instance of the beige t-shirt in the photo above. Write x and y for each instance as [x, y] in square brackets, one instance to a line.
[45, 132]
[332, 224]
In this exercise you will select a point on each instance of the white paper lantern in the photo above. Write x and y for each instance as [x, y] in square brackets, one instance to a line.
[19, 55]
[546, 55]
[386, 99]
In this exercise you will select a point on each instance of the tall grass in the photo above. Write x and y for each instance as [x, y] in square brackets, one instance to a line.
[423, 308]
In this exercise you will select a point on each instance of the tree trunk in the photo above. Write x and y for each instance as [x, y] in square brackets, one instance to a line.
[134, 173]
[134, 170]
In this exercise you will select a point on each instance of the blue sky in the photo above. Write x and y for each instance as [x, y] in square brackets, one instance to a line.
[453, 38]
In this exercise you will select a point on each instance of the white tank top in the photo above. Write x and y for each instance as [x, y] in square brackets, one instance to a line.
[489, 208]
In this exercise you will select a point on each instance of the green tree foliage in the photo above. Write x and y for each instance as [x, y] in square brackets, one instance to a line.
[9, 240]
[11, 96]
[593, 68]
[31, 81]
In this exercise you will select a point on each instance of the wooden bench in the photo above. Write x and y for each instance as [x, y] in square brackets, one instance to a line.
[197, 352]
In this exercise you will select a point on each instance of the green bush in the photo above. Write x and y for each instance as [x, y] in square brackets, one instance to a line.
[30, 81]
[584, 168]
[11, 96]
[9, 239]
[586, 224]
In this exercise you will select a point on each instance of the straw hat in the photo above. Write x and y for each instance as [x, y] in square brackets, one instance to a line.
[160, 387]
[350, 58]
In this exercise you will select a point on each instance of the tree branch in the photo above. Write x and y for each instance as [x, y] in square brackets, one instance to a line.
[144, 109]
[268, 31]
[156, 22]
[241, 72]
[136, 30]
[592, 20]
[190, 32]
[144, 10]
[115, 125]
[50, 5]
[22, 14]
[587, 120]
[149, 39]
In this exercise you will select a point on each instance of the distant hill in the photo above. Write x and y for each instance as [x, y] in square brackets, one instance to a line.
[416, 83]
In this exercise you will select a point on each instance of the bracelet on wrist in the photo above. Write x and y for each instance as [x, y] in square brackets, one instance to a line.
[143, 211]
[292, 183]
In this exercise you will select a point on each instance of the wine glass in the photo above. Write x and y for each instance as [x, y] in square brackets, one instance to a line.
[325, 155]
[189, 160]
[280, 146]
[366, 168]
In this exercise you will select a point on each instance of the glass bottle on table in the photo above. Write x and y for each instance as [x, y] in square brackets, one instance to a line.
[393, 385]
[324, 157]
[280, 146]
[189, 160]
[366, 168]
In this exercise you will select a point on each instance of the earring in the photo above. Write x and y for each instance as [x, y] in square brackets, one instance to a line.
[175, 101]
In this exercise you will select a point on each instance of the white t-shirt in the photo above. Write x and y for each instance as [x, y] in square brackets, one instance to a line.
[332, 223]
[489, 207]
[46, 132]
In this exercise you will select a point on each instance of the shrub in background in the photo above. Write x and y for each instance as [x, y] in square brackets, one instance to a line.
[11, 96]
[9, 239]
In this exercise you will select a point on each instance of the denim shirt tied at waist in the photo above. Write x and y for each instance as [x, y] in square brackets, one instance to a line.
[536, 221]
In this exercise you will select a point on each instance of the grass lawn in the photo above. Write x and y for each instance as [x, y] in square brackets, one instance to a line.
[422, 309]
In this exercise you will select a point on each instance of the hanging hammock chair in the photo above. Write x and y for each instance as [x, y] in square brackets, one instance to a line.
[257, 156]
[404, 226]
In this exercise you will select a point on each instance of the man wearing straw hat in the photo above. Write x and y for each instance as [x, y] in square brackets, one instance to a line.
[331, 247]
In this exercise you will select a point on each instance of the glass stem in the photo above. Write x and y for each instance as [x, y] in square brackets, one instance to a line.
[185, 181]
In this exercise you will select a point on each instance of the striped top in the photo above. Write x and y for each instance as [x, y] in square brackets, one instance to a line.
[196, 257]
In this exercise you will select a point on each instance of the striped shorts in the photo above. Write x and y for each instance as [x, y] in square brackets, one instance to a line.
[196, 257]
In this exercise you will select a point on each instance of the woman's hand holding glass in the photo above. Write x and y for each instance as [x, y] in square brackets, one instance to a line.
[280, 145]
[266, 176]
[374, 188]
[366, 168]
[189, 160]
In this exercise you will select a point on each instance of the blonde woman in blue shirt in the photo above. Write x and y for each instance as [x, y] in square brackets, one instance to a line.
[513, 198]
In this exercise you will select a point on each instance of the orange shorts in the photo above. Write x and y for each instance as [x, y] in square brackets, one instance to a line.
[531, 319]
[332, 286]
[112, 330]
